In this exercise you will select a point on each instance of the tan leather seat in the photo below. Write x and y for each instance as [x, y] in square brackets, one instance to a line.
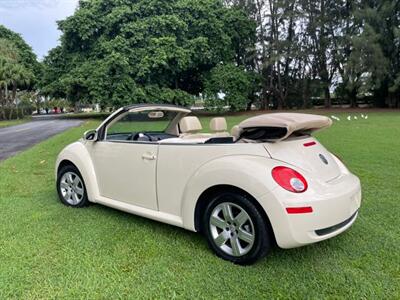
[190, 127]
[236, 131]
[190, 124]
[219, 127]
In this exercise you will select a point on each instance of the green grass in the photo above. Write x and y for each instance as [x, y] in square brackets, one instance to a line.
[48, 250]
[13, 122]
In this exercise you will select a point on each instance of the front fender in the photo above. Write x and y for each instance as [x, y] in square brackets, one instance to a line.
[78, 154]
[249, 173]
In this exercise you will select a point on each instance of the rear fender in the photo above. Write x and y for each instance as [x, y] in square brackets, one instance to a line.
[249, 173]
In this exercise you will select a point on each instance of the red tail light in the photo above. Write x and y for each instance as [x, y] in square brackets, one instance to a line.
[289, 179]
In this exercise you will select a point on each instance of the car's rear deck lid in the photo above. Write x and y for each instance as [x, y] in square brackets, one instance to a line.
[279, 126]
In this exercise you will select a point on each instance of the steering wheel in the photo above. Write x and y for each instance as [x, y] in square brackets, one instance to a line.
[141, 136]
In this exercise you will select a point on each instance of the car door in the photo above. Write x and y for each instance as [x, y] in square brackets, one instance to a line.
[126, 169]
[126, 172]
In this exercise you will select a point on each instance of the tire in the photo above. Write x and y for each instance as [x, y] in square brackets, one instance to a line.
[71, 187]
[235, 229]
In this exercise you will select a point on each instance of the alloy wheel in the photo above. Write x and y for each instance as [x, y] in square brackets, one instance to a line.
[232, 229]
[72, 188]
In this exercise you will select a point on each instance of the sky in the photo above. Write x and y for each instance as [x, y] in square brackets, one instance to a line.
[36, 20]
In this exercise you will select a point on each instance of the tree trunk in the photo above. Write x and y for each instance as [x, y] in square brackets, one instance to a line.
[327, 99]
[11, 113]
[353, 98]
[264, 98]
[76, 107]
[2, 105]
[265, 103]
[281, 103]
[3, 109]
[306, 93]
[37, 102]
[12, 100]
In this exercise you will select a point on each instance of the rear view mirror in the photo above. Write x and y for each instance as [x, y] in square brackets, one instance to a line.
[90, 135]
[156, 114]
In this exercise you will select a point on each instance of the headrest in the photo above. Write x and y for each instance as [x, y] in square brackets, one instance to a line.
[190, 124]
[218, 124]
[236, 131]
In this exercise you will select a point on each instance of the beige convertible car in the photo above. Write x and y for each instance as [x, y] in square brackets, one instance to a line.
[267, 181]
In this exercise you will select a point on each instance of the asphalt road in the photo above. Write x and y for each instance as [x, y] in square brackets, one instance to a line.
[17, 138]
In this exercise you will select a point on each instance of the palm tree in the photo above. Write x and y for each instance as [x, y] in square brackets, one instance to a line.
[13, 76]
[8, 56]
[20, 77]
[4, 82]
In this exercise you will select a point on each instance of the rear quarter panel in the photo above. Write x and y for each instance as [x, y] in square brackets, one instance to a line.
[184, 172]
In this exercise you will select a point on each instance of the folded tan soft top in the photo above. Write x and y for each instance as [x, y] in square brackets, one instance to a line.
[292, 122]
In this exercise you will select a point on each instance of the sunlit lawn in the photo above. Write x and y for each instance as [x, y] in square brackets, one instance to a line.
[48, 250]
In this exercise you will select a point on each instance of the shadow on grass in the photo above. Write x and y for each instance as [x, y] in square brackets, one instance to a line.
[309, 254]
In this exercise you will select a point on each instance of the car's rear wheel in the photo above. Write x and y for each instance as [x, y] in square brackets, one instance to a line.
[235, 229]
[71, 187]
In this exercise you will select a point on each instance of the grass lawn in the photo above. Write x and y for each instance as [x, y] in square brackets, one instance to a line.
[13, 122]
[48, 250]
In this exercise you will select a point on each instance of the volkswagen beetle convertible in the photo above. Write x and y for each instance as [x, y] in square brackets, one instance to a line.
[267, 181]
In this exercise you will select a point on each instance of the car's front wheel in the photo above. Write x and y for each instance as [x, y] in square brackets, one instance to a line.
[71, 187]
[235, 229]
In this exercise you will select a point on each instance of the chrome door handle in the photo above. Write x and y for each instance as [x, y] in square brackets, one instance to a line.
[149, 156]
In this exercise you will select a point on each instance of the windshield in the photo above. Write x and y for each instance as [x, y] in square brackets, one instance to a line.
[148, 122]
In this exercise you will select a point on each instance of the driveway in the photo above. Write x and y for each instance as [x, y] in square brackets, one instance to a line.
[17, 138]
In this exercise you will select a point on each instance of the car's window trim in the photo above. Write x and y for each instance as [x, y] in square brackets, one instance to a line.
[181, 112]
[166, 144]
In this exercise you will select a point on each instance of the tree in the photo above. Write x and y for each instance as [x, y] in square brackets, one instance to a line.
[19, 76]
[17, 67]
[13, 75]
[365, 66]
[22, 51]
[382, 21]
[117, 52]
[307, 46]
[129, 51]
[233, 83]
[324, 30]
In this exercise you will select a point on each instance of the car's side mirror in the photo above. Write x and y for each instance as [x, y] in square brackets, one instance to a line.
[90, 135]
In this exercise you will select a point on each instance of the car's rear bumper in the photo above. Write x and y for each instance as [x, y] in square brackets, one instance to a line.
[333, 212]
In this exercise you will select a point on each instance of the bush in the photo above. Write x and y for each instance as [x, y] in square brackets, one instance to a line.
[16, 114]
